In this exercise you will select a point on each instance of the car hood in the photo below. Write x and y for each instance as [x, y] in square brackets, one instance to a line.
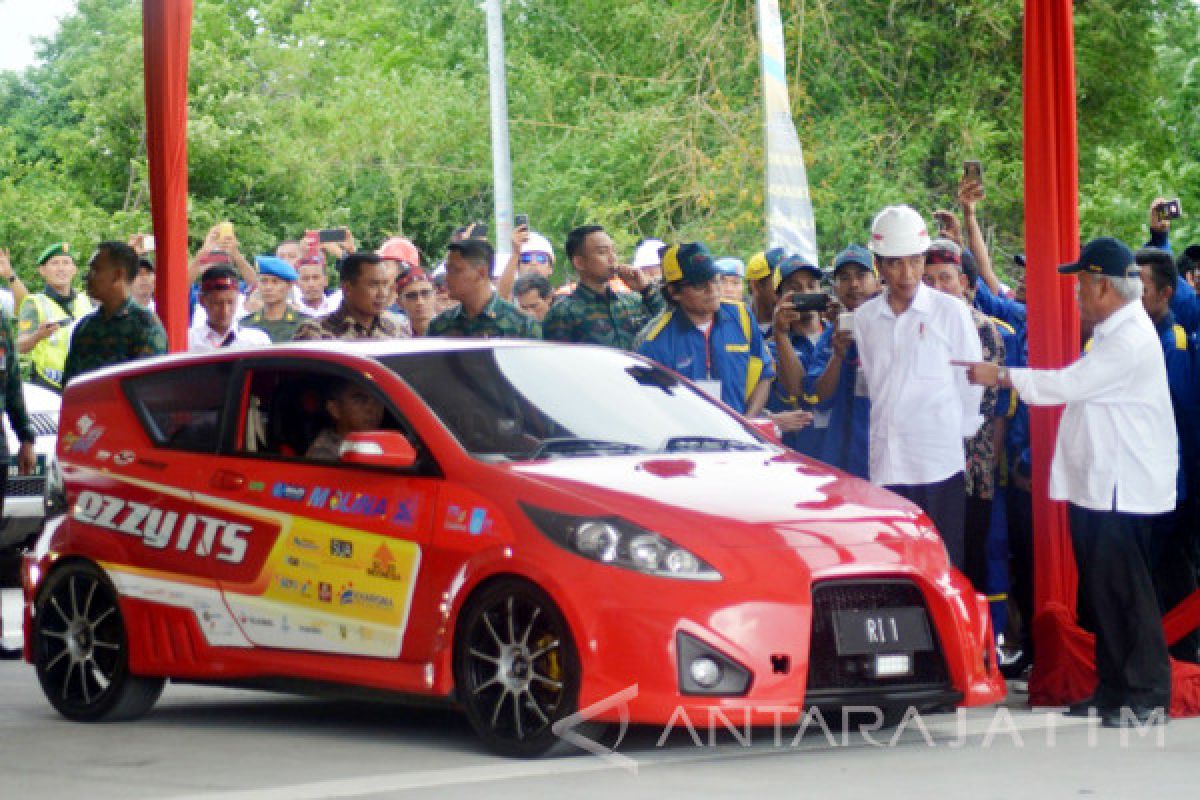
[736, 499]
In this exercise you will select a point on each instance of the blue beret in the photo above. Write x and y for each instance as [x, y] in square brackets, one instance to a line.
[271, 265]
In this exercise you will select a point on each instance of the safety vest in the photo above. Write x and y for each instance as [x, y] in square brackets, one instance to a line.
[49, 356]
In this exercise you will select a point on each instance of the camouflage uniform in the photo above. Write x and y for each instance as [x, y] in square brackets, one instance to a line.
[280, 330]
[340, 325]
[612, 318]
[12, 399]
[498, 320]
[99, 340]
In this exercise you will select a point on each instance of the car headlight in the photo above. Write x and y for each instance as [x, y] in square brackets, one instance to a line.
[612, 540]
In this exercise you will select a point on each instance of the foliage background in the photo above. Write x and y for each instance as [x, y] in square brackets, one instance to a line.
[642, 115]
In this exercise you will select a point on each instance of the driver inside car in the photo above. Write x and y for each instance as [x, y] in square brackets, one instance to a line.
[352, 408]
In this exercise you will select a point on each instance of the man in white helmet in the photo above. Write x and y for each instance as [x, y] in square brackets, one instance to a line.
[921, 406]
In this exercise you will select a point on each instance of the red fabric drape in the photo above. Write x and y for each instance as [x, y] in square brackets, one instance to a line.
[167, 27]
[1051, 238]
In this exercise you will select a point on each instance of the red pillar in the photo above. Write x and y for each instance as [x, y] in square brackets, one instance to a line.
[167, 27]
[1051, 238]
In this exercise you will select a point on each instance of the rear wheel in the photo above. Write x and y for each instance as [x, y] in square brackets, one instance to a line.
[516, 668]
[81, 651]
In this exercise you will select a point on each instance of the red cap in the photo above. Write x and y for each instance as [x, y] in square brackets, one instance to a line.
[410, 277]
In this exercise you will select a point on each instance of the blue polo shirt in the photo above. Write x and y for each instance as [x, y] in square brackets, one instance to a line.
[732, 351]
[807, 440]
[845, 441]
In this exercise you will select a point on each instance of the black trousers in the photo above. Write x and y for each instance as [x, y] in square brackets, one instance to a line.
[945, 503]
[1020, 549]
[977, 523]
[1112, 551]
[1173, 568]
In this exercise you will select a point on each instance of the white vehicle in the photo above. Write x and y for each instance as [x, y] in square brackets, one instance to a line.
[24, 499]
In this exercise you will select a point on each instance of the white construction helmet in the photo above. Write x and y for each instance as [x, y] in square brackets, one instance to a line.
[537, 244]
[898, 231]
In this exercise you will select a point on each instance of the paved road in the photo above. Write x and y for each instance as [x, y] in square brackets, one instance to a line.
[217, 744]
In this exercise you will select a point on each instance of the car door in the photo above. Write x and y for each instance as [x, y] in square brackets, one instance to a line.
[338, 571]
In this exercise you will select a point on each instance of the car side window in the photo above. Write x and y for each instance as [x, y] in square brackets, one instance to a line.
[181, 409]
[286, 410]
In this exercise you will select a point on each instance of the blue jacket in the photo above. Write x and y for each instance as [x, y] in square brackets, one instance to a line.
[1183, 379]
[733, 352]
[806, 440]
[1185, 305]
[1001, 308]
[846, 440]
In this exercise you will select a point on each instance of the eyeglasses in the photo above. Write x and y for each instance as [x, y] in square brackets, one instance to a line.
[418, 294]
[535, 258]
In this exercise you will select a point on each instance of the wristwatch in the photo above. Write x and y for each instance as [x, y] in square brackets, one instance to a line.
[1002, 375]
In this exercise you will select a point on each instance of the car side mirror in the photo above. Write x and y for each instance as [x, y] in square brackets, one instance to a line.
[378, 449]
[767, 428]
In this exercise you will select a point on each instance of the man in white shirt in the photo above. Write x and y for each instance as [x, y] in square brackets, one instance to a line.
[1115, 463]
[219, 297]
[921, 406]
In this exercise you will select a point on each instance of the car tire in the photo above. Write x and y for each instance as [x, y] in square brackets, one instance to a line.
[516, 669]
[81, 649]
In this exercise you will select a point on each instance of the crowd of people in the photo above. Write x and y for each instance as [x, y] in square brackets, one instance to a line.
[876, 365]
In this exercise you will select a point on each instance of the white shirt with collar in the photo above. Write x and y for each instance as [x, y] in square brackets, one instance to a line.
[1117, 448]
[922, 407]
[331, 302]
[205, 339]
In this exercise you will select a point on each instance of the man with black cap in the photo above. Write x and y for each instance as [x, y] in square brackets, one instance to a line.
[1115, 462]
[715, 344]
[835, 378]
[276, 318]
[46, 317]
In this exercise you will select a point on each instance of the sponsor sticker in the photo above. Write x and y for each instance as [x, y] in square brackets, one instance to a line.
[288, 491]
[199, 534]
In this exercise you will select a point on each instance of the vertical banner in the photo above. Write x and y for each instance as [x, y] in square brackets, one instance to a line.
[790, 222]
[166, 38]
[1051, 238]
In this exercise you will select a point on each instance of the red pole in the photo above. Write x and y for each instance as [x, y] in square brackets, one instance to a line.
[1051, 238]
[167, 26]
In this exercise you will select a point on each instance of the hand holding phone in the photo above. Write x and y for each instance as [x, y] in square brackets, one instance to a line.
[338, 235]
[1169, 209]
[810, 301]
[973, 172]
[521, 220]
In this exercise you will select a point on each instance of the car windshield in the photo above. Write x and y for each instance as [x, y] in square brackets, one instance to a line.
[530, 403]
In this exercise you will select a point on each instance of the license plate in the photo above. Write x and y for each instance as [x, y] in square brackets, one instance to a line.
[887, 630]
[39, 467]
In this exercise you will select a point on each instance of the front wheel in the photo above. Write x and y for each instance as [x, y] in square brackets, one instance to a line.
[81, 651]
[516, 668]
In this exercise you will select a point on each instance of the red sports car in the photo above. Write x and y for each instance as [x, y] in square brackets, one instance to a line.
[520, 529]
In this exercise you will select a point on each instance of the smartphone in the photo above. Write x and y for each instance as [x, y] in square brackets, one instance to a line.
[148, 242]
[332, 235]
[973, 171]
[1169, 209]
[312, 244]
[225, 230]
[846, 321]
[521, 219]
[810, 301]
